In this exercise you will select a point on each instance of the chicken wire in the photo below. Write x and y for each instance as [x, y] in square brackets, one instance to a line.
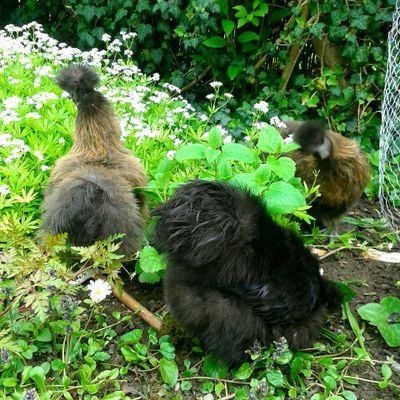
[389, 155]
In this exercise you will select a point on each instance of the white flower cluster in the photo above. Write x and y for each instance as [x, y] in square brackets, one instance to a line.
[215, 84]
[4, 190]
[17, 147]
[262, 106]
[276, 121]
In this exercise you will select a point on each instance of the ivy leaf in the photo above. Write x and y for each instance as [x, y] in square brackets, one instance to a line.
[191, 152]
[228, 26]
[233, 71]
[248, 36]
[149, 277]
[241, 11]
[150, 260]
[143, 30]
[169, 371]
[283, 198]
[215, 42]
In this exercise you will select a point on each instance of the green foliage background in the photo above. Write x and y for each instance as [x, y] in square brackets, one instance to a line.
[307, 58]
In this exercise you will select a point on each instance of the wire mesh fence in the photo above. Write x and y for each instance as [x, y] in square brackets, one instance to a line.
[389, 155]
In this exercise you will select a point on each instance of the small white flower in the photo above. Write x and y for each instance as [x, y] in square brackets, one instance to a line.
[44, 167]
[4, 189]
[321, 271]
[203, 117]
[170, 154]
[262, 106]
[228, 95]
[228, 139]
[33, 115]
[106, 37]
[155, 77]
[276, 121]
[61, 141]
[288, 139]
[210, 96]
[260, 125]
[99, 290]
[38, 155]
[215, 84]
[12, 102]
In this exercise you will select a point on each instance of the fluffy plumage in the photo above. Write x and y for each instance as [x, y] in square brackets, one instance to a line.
[89, 194]
[343, 168]
[234, 275]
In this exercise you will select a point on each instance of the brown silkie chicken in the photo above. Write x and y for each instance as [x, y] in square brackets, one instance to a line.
[90, 192]
[343, 169]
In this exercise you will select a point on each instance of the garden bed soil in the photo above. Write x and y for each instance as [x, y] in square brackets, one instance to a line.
[371, 280]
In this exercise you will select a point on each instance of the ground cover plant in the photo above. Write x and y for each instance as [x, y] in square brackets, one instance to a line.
[57, 340]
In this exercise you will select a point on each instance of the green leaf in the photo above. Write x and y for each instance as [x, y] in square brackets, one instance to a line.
[379, 315]
[348, 395]
[186, 385]
[238, 152]
[283, 198]
[215, 138]
[44, 335]
[241, 11]
[275, 378]
[270, 140]
[131, 337]
[215, 42]
[148, 277]
[284, 167]
[224, 170]
[191, 152]
[233, 71]
[241, 394]
[248, 36]
[247, 181]
[348, 293]
[58, 365]
[244, 371]
[169, 371]
[386, 372]
[39, 377]
[262, 175]
[150, 261]
[213, 368]
[167, 349]
[228, 26]
[9, 382]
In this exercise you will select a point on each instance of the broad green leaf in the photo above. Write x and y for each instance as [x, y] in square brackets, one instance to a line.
[215, 42]
[191, 152]
[262, 175]
[248, 36]
[167, 349]
[131, 337]
[247, 181]
[238, 152]
[381, 316]
[9, 382]
[228, 26]
[241, 11]
[283, 198]
[284, 167]
[150, 261]
[169, 371]
[213, 368]
[275, 378]
[44, 335]
[241, 394]
[214, 138]
[149, 277]
[270, 140]
[244, 372]
[233, 71]
[224, 170]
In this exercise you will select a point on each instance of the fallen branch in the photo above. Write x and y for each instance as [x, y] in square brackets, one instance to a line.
[134, 305]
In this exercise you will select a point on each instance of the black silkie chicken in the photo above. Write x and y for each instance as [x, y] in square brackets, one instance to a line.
[234, 275]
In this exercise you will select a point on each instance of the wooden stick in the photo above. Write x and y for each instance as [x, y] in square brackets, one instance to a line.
[134, 305]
